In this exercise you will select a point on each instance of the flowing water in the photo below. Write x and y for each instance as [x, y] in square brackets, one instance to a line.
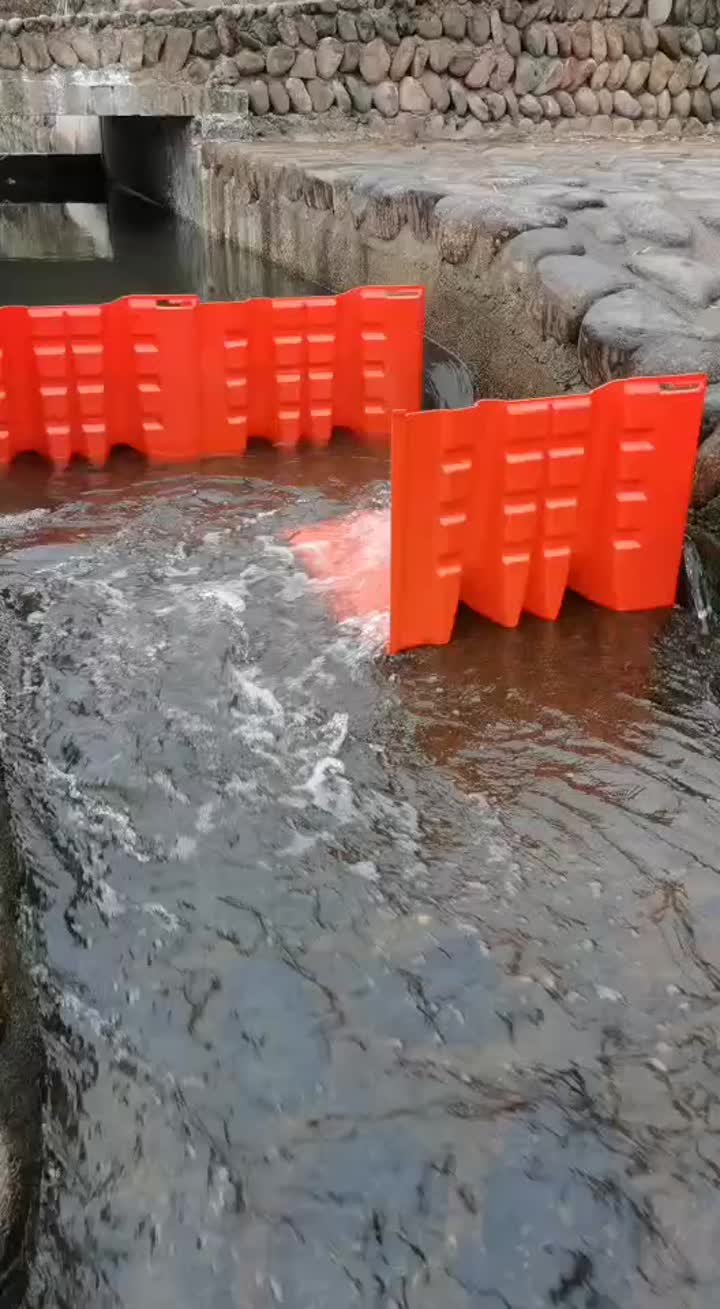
[366, 982]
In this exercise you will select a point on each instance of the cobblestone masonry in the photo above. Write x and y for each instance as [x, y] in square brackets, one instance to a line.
[546, 265]
[454, 70]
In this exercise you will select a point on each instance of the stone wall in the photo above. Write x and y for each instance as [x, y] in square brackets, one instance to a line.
[456, 70]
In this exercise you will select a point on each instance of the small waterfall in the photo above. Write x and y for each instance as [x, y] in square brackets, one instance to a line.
[696, 587]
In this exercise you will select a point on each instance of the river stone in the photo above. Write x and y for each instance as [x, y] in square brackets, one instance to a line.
[306, 29]
[586, 101]
[664, 104]
[680, 76]
[280, 59]
[60, 51]
[658, 11]
[436, 88]
[153, 48]
[701, 105]
[360, 94]
[110, 44]
[374, 61]
[520, 255]
[351, 57]
[287, 30]
[513, 44]
[429, 26]
[279, 98]
[709, 40]
[386, 100]
[479, 27]
[402, 59]
[605, 100]
[633, 44]
[616, 327]
[413, 97]
[320, 94]
[706, 477]
[503, 71]
[690, 41]
[459, 98]
[478, 106]
[207, 41]
[648, 36]
[34, 51]
[661, 70]
[304, 65]
[341, 97]
[9, 51]
[454, 22]
[479, 74]
[690, 280]
[567, 105]
[582, 72]
[581, 42]
[530, 107]
[682, 104]
[698, 71]
[258, 96]
[496, 103]
[637, 77]
[419, 63]
[712, 76]
[85, 45]
[534, 39]
[177, 48]
[647, 218]
[618, 73]
[459, 220]
[298, 95]
[462, 61]
[598, 42]
[133, 49]
[496, 28]
[226, 34]
[528, 72]
[600, 76]
[249, 62]
[328, 57]
[568, 286]
[551, 80]
[197, 70]
[346, 27]
[440, 53]
[669, 42]
[386, 27]
[626, 105]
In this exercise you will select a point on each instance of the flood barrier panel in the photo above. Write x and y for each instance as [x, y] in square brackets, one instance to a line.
[504, 505]
[179, 379]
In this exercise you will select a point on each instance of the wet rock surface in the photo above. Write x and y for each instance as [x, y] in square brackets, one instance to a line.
[362, 979]
[613, 251]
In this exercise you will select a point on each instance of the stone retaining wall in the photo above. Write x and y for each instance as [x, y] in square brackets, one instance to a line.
[452, 70]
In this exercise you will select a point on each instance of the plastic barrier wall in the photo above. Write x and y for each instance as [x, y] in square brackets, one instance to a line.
[506, 504]
[178, 379]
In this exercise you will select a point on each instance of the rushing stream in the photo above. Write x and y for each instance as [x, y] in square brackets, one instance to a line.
[366, 982]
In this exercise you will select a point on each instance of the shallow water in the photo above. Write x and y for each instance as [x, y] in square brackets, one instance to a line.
[366, 981]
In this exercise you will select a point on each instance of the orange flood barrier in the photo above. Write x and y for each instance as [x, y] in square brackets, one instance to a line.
[178, 379]
[506, 504]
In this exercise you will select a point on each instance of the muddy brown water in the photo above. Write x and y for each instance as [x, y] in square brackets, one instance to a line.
[366, 982]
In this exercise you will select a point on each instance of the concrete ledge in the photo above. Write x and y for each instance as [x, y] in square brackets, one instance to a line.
[547, 268]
